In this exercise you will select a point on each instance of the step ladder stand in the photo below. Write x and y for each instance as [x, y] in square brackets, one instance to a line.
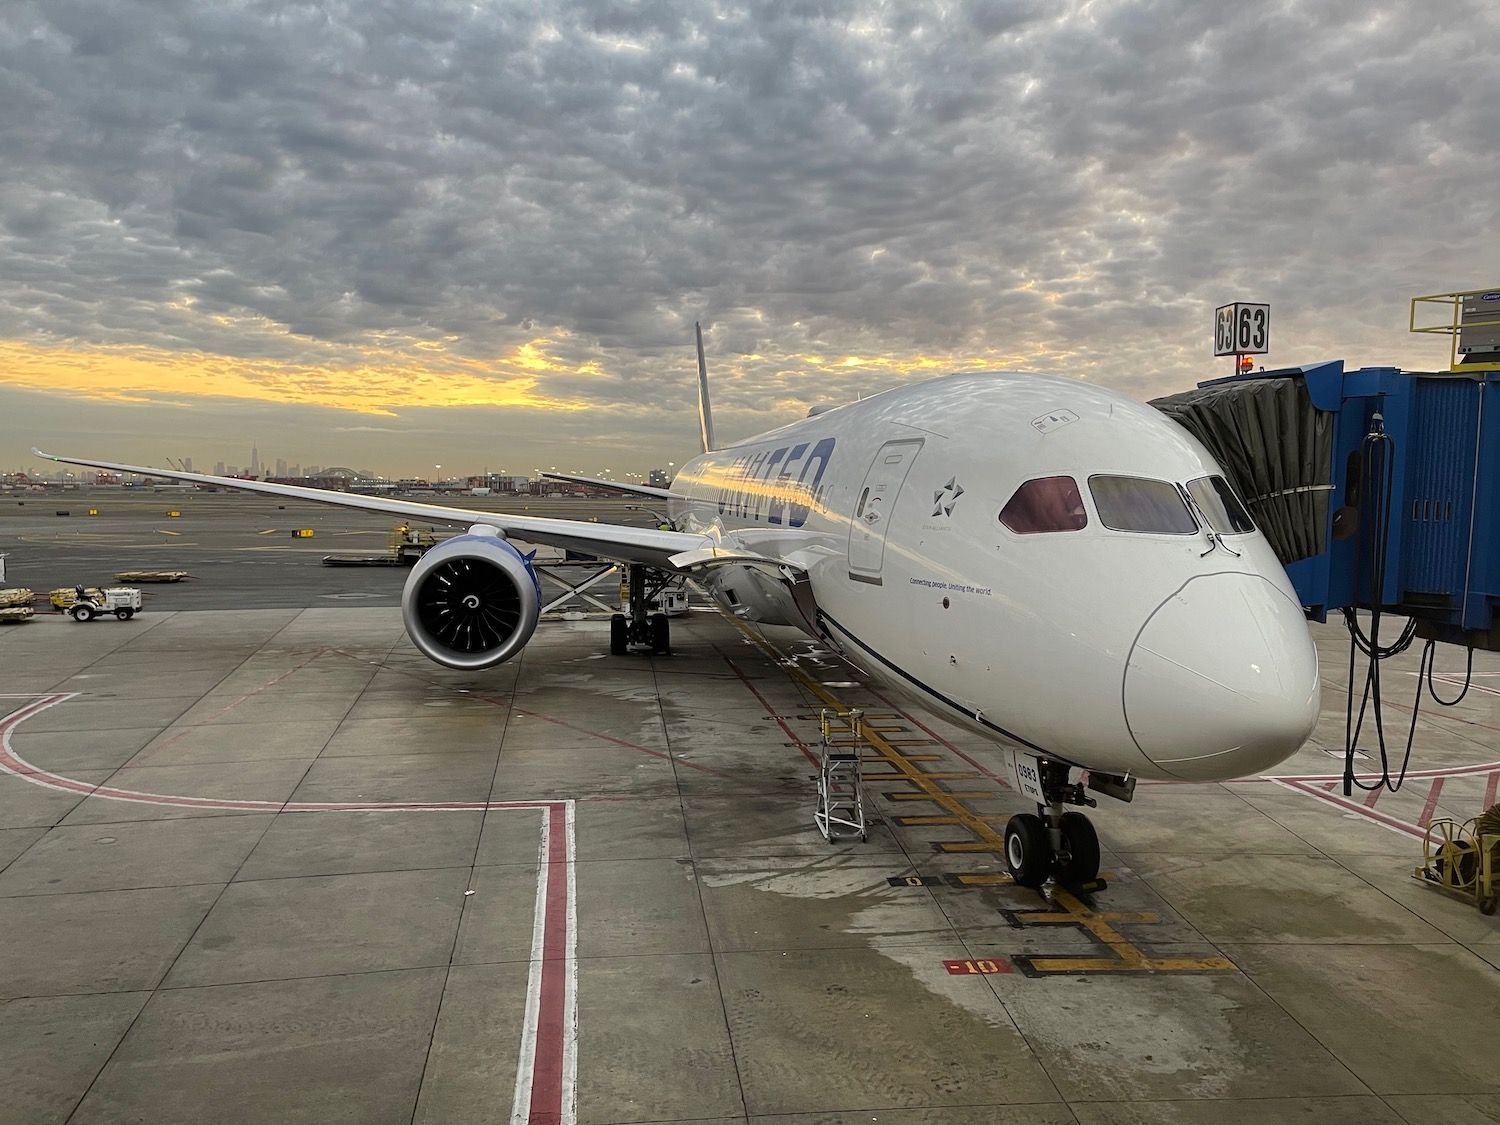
[841, 790]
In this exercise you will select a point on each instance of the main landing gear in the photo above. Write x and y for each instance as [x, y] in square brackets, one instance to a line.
[1051, 843]
[638, 629]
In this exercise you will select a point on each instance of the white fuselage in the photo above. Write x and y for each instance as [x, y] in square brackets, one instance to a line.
[1148, 654]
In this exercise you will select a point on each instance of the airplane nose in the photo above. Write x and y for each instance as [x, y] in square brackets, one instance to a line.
[1223, 680]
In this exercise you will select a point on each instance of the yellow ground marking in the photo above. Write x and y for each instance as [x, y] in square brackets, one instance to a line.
[905, 769]
[957, 795]
[1125, 955]
[1098, 923]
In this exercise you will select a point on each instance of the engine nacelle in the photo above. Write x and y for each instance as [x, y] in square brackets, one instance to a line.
[472, 601]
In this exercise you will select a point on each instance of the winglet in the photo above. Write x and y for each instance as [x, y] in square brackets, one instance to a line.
[705, 410]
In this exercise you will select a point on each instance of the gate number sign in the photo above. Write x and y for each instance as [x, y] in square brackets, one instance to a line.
[1241, 329]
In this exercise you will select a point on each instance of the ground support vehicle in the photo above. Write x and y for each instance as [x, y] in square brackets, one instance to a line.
[86, 603]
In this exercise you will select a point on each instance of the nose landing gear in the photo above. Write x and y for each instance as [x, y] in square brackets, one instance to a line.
[1052, 843]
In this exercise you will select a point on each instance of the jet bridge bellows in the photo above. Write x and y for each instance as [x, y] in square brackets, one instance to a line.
[1375, 486]
[1277, 449]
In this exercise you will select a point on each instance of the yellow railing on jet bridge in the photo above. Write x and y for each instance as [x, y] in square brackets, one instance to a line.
[1452, 323]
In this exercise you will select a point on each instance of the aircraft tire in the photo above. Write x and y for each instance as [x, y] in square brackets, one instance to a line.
[82, 613]
[1028, 852]
[661, 635]
[619, 630]
[1082, 843]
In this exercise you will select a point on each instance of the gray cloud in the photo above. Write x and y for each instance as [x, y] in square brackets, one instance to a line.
[1069, 186]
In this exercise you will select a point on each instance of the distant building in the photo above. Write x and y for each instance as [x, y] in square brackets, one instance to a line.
[281, 466]
[254, 461]
[187, 464]
[219, 469]
[503, 482]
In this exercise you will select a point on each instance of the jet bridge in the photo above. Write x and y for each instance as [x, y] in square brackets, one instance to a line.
[1378, 488]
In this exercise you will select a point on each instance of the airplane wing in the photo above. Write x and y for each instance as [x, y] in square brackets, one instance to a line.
[612, 541]
[629, 489]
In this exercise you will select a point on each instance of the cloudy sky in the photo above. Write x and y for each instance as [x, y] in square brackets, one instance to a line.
[394, 233]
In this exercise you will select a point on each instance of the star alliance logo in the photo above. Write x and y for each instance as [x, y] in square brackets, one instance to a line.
[947, 496]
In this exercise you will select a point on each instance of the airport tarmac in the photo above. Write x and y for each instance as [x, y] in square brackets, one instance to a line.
[265, 863]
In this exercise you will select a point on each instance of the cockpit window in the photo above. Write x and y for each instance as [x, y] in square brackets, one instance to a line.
[1220, 505]
[1137, 504]
[1045, 504]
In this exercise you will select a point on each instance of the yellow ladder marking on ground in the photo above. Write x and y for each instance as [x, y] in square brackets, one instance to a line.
[960, 795]
[1097, 923]
[905, 770]
[1126, 957]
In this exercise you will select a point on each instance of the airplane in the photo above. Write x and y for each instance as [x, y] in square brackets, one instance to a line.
[1049, 564]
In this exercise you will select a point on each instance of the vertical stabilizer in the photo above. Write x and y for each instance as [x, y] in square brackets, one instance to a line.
[705, 409]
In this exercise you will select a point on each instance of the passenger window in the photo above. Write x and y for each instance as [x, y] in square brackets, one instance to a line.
[1045, 504]
[1225, 513]
[1135, 504]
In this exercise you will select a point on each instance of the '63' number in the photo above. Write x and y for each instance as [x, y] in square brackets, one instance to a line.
[1241, 329]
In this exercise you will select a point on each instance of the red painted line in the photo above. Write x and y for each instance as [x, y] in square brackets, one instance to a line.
[1373, 796]
[766, 703]
[1489, 789]
[1351, 806]
[665, 755]
[552, 1021]
[145, 754]
[1431, 805]
[1449, 771]
[13, 763]
[553, 1064]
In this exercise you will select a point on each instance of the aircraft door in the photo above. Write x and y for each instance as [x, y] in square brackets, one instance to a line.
[873, 506]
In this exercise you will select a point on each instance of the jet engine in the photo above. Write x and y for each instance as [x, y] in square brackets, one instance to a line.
[472, 601]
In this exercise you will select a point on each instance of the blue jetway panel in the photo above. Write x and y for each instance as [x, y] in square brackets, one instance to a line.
[1440, 458]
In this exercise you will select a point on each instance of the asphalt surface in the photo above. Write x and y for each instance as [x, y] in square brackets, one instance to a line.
[239, 548]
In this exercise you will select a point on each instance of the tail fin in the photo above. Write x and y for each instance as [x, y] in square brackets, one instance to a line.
[705, 409]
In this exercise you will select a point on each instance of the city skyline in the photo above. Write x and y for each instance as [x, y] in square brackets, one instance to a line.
[487, 242]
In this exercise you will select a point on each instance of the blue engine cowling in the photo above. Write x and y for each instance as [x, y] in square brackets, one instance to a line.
[472, 601]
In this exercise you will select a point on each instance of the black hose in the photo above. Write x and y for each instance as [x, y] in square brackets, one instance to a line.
[1381, 477]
